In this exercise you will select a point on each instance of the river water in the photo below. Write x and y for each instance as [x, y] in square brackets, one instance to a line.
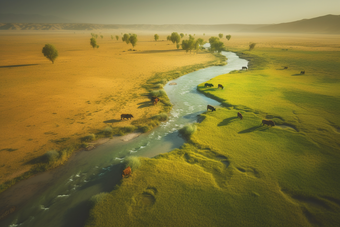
[61, 197]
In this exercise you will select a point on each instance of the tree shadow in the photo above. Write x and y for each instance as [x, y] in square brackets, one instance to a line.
[112, 121]
[299, 74]
[253, 129]
[13, 66]
[156, 51]
[145, 104]
[226, 121]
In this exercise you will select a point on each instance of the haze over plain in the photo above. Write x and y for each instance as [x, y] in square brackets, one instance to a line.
[169, 12]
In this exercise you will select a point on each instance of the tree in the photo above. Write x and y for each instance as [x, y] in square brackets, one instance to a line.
[182, 35]
[175, 38]
[117, 37]
[251, 46]
[93, 42]
[101, 36]
[111, 36]
[126, 38]
[216, 44]
[133, 40]
[50, 52]
[156, 37]
[220, 35]
[228, 37]
[203, 33]
[168, 38]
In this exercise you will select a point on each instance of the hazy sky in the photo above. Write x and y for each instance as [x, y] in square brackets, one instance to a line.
[175, 11]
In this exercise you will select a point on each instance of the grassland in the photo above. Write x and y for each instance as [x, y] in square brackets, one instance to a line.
[234, 172]
[68, 104]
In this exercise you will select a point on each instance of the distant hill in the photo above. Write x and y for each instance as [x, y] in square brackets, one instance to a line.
[30, 18]
[329, 24]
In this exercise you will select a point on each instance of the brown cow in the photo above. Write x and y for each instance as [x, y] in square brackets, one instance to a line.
[126, 172]
[220, 86]
[154, 100]
[268, 122]
[127, 116]
[211, 108]
[239, 115]
[244, 68]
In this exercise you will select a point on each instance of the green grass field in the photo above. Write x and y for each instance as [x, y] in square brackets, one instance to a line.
[236, 172]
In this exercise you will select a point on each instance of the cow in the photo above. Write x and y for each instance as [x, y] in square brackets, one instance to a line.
[302, 72]
[285, 67]
[208, 85]
[244, 68]
[126, 172]
[220, 86]
[268, 122]
[240, 115]
[211, 108]
[154, 100]
[127, 116]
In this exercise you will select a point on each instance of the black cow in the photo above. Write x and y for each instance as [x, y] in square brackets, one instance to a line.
[268, 122]
[220, 86]
[285, 67]
[244, 67]
[302, 72]
[127, 116]
[208, 85]
[240, 115]
[211, 108]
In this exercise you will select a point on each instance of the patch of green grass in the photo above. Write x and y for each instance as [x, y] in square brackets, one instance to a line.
[240, 172]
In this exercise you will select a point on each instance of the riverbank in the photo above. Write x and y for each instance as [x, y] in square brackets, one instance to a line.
[237, 171]
[76, 105]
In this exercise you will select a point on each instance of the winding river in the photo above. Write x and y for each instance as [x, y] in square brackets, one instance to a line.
[61, 197]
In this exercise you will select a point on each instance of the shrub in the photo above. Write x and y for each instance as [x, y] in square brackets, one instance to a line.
[158, 85]
[108, 131]
[88, 138]
[161, 117]
[133, 162]
[158, 93]
[97, 198]
[188, 130]
[144, 128]
[50, 156]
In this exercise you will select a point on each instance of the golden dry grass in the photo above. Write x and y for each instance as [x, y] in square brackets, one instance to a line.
[41, 101]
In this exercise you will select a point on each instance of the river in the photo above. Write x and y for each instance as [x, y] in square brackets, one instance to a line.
[60, 197]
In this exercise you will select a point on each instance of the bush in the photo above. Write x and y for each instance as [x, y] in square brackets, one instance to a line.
[88, 138]
[133, 162]
[159, 85]
[188, 130]
[50, 156]
[144, 128]
[97, 198]
[161, 117]
[158, 93]
[108, 131]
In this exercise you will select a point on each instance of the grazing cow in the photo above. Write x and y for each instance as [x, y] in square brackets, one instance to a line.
[220, 86]
[244, 68]
[126, 172]
[208, 85]
[285, 67]
[127, 116]
[302, 72]
[155, 100]
[211, 108]
[239, 115]
[268, 122]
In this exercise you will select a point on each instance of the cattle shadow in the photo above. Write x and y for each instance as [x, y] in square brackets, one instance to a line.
[299, 74]
[112, 121]
[226, 121]
[13, 66]
[144, 104]
[253, 129]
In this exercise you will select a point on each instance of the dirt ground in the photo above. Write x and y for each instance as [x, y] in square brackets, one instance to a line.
[41, 102]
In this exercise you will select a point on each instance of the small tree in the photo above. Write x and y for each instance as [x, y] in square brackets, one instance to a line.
[111, 36]
[50, 52]
[126, 38]
[93, 42]
[251, 46]
[175, 38]
[216, 44]
[117, 37]
[203, 33]
[101, 36]
[168, 38]
[133, 40]
[228, 37]
[156, 37]
[220, 35]
[182, 35]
